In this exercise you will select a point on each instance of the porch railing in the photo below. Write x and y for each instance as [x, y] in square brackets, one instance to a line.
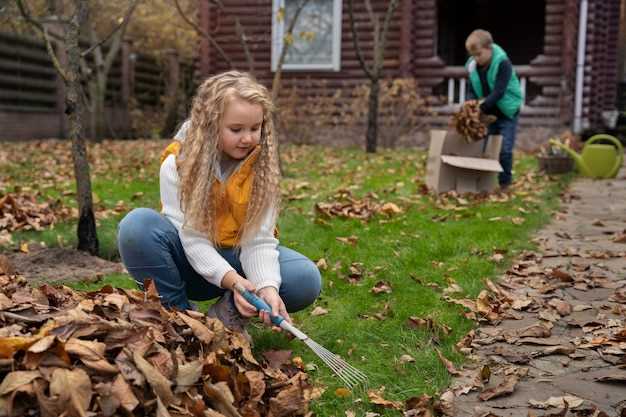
[457, 82]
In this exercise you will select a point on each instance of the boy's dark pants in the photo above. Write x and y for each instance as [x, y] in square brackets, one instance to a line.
[508, 129]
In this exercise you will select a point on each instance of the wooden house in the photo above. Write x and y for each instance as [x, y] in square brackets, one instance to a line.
[568, 53]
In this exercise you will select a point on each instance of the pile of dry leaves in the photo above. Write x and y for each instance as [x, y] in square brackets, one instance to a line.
[21, 211]
[470, 122]
[118, 352]
[345, 205]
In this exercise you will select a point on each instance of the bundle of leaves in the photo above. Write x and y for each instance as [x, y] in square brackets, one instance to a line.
[345, 205]
[22, 211]
[470, 122]
[119, 352]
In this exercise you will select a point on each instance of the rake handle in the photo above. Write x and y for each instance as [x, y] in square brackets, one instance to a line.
[259, 303]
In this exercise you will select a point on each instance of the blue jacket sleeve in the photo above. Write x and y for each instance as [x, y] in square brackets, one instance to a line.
[505, 71]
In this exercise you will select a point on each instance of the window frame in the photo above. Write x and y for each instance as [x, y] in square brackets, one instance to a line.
[278, 32]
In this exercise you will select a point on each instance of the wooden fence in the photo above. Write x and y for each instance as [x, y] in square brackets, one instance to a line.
[32, 94]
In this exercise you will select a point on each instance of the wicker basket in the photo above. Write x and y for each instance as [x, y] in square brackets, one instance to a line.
[555, 164]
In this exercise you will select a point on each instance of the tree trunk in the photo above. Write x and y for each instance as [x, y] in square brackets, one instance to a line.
[99, 107]
[372, 117]
[87, 237]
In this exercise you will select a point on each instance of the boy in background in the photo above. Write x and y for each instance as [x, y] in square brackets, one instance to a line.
[494, 83]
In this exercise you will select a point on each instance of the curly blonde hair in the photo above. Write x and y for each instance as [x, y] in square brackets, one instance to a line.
[201, 152]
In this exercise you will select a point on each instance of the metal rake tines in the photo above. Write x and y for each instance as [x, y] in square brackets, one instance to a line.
[351, 376]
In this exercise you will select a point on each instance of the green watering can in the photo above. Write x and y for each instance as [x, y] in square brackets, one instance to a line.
[597, 160]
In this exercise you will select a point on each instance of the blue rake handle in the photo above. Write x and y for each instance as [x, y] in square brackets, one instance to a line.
[259, 303]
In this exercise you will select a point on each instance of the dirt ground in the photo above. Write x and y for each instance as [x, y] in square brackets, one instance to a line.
[60, 264]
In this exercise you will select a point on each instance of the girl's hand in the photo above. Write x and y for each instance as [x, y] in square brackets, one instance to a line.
[228, 282]
[270, 295]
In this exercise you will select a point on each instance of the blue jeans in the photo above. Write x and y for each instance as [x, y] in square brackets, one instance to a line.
[150, 248]
[508, 129]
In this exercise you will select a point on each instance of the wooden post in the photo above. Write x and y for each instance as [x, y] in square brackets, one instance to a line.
[405, 37]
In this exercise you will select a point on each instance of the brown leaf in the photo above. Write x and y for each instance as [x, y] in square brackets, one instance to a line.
[319, 311]
[342, 392]
[381, 287]
[14, 380]
[406, 359]
[288, 402]
[322, 264]
[350, 240]
[160, 384]
[188, 374]
[390, 208]
[91, 354]
[428, 324]
[562, 307]
[200, 330]
[376, 398]
[506, 387]
[73, 386]
[447, 363]
[558, 402]
[124, 394]
[277, 358]
[561, 275]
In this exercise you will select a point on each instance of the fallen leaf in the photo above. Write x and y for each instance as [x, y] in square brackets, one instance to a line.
[160, 384]
[343, 392]
[350, 240]
[447, 363]
[390, 208]
[406, 359]
[319, 311]
[16, 379]
[558, 402]
[506, 387]
[496, 257]
[277, 358]
[321, 264]
[381, 287]
[376, 398]
[200, 330]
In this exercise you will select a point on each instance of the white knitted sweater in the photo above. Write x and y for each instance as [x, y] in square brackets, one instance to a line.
[259, 255]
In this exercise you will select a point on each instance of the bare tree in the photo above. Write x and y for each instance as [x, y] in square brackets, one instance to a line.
[287, 42]
[373, 71]
[70, 73]
[98, 74]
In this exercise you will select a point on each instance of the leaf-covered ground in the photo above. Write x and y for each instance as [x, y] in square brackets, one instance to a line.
[389, 252]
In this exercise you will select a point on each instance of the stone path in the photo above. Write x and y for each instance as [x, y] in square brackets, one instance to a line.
[555, 323]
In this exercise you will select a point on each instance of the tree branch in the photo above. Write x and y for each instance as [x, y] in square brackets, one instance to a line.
[46, 37]
[243, 39]
[383, 36]
[283, 52]
[123, 24]
[355, 41]
[112, 52]
[203, 33]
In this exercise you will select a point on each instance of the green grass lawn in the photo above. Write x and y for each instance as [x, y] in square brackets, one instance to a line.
[433, 241]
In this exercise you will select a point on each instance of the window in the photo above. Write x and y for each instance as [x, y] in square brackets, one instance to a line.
[316, 36]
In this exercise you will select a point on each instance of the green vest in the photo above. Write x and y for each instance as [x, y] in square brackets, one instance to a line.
[511, 102]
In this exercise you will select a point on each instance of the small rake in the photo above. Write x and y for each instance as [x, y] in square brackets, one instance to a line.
[350, 376]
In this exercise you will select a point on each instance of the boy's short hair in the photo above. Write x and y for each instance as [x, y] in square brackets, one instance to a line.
[479, 39]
